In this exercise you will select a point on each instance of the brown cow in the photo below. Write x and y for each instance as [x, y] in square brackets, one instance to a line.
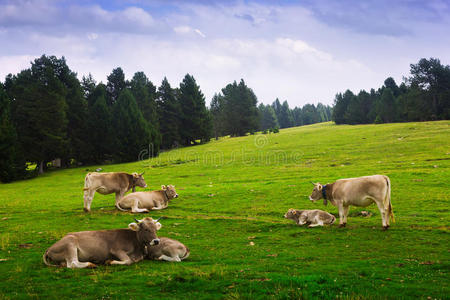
[144, 201]
[107, 183]
[85, 249]
[168, 250]
[313, 218]
[361, 191]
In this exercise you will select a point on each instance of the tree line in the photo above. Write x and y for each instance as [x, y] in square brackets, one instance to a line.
[423, 96]
[46, 112]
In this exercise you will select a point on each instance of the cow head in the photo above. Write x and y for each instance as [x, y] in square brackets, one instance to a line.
[146, 231]
[292, 214]
[316, 193]
[170, 191]
[138, 180]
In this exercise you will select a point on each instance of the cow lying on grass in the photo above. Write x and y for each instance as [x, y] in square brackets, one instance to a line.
[144, 201]
[85, 249]
[168, 250]
[107, 183]
[361, 191]
[313, 217]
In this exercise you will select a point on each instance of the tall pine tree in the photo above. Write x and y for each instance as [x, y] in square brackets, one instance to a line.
[194, 118]
[130, 129]
[169, 115]
[12, 163]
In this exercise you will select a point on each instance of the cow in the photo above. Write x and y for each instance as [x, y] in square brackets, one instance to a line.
[107, 183]
[86, 249]
[361, 191]
[168, 250]
[144, 201]
[313, 218]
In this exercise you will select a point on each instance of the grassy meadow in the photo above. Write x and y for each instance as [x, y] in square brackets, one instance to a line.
[233, 195]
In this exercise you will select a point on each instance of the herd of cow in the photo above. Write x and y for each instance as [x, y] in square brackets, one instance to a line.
[85, 249]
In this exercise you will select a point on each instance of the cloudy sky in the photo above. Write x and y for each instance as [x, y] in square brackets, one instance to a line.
[300, 51]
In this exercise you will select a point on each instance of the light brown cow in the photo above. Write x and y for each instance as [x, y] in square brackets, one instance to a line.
[313, 218]
[361, 191]
[85, 249]
[168, 250]
[107, 183]
[144, 201]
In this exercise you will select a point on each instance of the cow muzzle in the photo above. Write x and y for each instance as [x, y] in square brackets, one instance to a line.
[313, 200]
[154, 242]
[176, 196]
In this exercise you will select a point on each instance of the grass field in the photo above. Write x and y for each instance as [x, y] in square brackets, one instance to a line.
[233, 195]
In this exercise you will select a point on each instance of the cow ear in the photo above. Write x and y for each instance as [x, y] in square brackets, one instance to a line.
[319, 186]
[158, 225]
[163, 187]
[133, 226]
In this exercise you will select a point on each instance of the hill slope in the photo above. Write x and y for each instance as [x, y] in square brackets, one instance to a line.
[234, 193]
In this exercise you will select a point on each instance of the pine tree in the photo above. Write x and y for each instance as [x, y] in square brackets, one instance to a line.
[340, 107]
[169, 115]
[218, 115]
[285, 116]
[386, 109]
[99, 124]
[115, 85]
[144, 92]
[268, 119]
[130, 128]
[12, 163]
[40, 112]
[194, 118]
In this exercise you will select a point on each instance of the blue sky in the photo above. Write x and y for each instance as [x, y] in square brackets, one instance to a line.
[300, 51]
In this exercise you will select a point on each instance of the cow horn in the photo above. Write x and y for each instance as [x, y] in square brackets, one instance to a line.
[158, 219]
[312, 183]
[137, 220]
[142, 173]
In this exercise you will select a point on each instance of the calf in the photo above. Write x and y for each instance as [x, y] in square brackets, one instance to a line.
[168, 250]
[360, 191]
[107, 183]
[313, 217]
[85, 249]
[144, 201]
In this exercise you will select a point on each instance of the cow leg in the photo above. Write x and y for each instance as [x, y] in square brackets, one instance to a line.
[168, 258]
[124, 258]
[119, 195]
[341, 214]
[72, 261]
[89, 196]
[345, 214]
[157, 208]
[135, 207]
[384, 215]
[319, 223]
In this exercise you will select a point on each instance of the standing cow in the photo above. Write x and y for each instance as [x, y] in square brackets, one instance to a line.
[85, 249]
[361, 191]
[107, 183]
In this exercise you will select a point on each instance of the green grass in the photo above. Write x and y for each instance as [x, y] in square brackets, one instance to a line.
[235, 191]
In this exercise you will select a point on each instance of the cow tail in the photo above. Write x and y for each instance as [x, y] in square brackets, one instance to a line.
[120, 208]
[87, 182]
[388, 198]
[45, 259]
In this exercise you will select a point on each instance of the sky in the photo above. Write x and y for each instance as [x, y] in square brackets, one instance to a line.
[299, 51]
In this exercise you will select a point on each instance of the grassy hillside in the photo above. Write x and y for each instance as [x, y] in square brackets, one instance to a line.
[233, 195]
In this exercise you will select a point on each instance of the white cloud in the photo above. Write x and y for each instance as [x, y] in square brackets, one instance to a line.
[92, 36]
[182, 29]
